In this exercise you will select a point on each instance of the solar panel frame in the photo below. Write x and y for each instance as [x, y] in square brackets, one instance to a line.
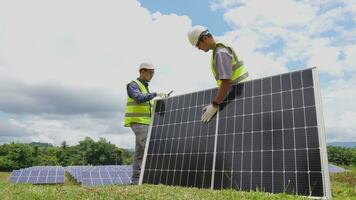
[322, 135]
[273, 94]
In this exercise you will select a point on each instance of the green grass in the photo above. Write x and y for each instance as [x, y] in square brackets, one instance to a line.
[343, 187]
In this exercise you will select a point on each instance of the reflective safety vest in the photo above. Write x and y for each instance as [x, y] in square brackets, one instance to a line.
[138, 112]
[239, 72]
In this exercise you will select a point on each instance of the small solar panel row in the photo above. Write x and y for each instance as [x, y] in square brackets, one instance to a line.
[336, 169]
[38, 175]
[87, 175]
[105, 177]
[101, 175]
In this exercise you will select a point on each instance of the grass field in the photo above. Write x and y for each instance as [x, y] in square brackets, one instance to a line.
[343, 187]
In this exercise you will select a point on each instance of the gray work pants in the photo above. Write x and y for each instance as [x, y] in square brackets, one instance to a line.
[140, 131]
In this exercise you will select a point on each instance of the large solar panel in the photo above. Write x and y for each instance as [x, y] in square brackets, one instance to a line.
[38, 175]
[268, 135]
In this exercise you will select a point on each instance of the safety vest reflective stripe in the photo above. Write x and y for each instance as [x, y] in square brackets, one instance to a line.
[138, 112]
[240, 79]
[237, 65]
[239, 72]
[138, 109]
[137, 104]
[137, 115]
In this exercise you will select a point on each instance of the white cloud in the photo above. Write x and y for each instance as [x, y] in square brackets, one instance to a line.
[98, 46]
[218, 4]
[298, 26]
[350, 58]
[325, 57]
[54, 129]
[90, 45]
[259, 64]
[74, 128]
[340, 109]
[288, 13]
[14, 131]
[312, 33]
[101, 46]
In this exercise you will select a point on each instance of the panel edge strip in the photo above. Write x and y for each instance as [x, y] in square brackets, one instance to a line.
[143, 165]
[321, 135]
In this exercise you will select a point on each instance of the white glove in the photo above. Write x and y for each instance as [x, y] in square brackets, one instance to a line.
[209, 112]
[162, 95]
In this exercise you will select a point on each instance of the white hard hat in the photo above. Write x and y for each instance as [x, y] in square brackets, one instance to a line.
[194, 34]
[146, 65]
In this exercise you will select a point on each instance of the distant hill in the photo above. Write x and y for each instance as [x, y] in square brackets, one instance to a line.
[342, 144]
[40, 144]
[132, 150]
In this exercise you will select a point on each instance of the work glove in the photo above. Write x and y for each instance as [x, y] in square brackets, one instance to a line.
[208, 113]
[162, 95]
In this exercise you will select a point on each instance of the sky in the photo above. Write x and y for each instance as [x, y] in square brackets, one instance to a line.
[64, 65]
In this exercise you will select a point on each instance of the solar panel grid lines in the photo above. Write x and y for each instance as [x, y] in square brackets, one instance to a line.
[266, 136]
[101, 175]
[179, 122]
[38, 175]
[15, 175]
[253, 154]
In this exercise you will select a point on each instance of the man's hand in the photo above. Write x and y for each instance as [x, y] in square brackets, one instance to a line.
[209, 112]
[162, 95]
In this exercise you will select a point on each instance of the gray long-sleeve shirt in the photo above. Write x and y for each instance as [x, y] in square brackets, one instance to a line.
[133, 90]
[223, 63]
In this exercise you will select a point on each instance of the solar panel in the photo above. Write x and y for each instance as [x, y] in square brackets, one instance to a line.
[335, 169]
[101, 175]
[38, 175]
[181, 148]
[15, 175]
[268, 135]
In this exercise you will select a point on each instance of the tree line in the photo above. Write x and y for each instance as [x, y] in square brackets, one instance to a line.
[87, 152]
[342, 155]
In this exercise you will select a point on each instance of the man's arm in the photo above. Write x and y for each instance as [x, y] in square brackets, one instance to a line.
[223, 64]
[223, 90]
[134, 92]
[223, 59]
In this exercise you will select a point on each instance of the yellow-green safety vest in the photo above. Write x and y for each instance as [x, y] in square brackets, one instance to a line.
[138, 112]
[239, 72]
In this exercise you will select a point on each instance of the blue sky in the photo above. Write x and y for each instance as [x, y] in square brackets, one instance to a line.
[208, 14]
[64, 76]
[198, 10]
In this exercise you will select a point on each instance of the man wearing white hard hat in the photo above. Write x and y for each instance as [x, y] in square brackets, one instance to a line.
[138, 113]
[226, 66]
